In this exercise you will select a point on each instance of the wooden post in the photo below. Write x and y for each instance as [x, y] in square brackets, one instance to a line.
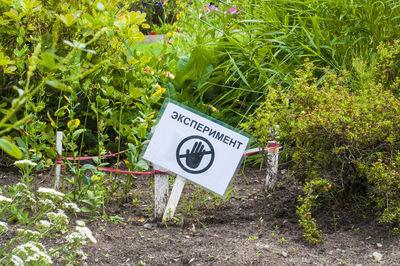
[174, 198]
[58, 166]
[272, 169]
[161, 191]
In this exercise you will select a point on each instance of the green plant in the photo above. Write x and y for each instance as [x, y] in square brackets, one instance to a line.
[252, 238]
[385, 181]
[85, 50]
[94, 201]
[47, 215]
[311, 190]
[339, 128]
[239, 56]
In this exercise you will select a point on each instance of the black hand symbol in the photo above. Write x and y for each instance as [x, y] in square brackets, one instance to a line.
[193, 159]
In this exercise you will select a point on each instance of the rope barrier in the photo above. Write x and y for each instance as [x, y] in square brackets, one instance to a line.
[60, 159]
[271, 146]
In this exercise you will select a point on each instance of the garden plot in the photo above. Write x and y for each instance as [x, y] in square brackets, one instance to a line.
[250, 227]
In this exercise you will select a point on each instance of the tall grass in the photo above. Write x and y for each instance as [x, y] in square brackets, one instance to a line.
[271, 38]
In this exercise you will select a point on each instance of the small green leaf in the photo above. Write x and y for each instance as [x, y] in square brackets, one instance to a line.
[48, 60]
[135, 92]
[10, 148]
[142, 131]
[88, 167]
[70, 19]
[142, 165]
[77, 133]
[85, 209]
[12, 15]
[52, 123]
[61, 112]
[58, 85]
[132, 148]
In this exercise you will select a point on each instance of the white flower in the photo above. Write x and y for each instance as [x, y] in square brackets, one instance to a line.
[32, 252]
[40, 257]
[75, 238]
[87, 233]
[3, 227]
[21, 186]
[59, 220]
[80, 223]
[5, 199]
[82, 235]
[26, 197]
[24, 162]
[17, 260]
[29, 234]
[42, 225]
[82, 254]
[48, 203]
[71, 206]
[50, 192]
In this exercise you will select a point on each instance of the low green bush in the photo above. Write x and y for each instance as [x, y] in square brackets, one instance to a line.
[342, 128]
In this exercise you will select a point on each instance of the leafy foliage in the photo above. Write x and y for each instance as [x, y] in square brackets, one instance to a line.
[264, 42]
[348, 137]
[311, 233]
[85, 50]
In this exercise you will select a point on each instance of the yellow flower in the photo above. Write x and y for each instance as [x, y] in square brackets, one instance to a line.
[160, 90]
[215, 110]
[177, 17]
[169, 34]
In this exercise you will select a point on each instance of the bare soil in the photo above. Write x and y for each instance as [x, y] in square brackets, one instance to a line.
[252, 227]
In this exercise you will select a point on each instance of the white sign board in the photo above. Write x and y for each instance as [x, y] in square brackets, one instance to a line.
[195, 147]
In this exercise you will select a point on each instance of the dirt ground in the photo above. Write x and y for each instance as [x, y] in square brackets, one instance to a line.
[250, 228]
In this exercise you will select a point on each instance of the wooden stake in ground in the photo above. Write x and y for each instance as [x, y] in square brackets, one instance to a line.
[272, 169]
[161, 191]
[174, 198]
[58, 166]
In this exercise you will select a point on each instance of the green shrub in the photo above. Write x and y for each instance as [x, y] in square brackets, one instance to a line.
[346, 135]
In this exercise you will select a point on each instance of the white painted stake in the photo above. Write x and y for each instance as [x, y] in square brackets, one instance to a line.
[174, 198]
[58, 166]
[161, 191]
[272, 169]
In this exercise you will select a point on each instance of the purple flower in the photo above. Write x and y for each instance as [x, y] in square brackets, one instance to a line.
[211, 7]
[232, 10]
[159, 4]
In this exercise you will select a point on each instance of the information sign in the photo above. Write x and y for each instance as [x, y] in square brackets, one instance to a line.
[196, 147]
